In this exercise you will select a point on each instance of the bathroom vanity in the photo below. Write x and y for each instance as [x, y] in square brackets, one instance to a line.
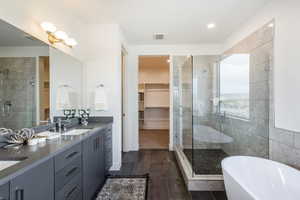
[37, 83]
[72, 167]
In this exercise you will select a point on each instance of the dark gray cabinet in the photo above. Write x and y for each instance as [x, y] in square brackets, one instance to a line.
[108, 148]
[76, 173]
[71, 191]
[67, 157]
[68, 174]
[4, 192]
[93, 165]
[34, 184]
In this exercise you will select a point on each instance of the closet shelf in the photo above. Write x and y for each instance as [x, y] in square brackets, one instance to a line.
[155, 83]
[162, 119]
[157, 107]
[158, 90]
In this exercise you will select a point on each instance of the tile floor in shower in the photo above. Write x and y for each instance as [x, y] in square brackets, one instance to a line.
[206, 161]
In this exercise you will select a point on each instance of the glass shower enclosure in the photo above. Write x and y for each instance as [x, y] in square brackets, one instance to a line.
[219, 110]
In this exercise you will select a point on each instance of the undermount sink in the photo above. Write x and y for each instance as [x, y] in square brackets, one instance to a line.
[49, 135]
[76, 132]
[8, 162]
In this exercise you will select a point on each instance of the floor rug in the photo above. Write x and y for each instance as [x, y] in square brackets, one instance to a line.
[124, 188]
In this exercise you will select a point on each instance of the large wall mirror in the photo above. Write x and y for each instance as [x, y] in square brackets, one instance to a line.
[31, 77]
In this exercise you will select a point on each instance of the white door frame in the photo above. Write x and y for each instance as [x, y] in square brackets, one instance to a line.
[171, 96]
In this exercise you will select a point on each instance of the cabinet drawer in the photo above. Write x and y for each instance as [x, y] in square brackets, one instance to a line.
[66, 174]
[66, 157]
[4, 192]
[71, 191]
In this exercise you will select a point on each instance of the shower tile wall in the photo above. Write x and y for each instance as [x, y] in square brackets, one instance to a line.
[186, 101]
[177, 62]
[203, 92]
[284, 144]
[17, 85]
[182, 101]
[251, 137]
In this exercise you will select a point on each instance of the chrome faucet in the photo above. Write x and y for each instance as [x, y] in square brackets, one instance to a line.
[59, 125]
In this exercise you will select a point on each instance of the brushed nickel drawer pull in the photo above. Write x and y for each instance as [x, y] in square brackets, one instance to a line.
[71, 192]
[71, 171]
[71, 155]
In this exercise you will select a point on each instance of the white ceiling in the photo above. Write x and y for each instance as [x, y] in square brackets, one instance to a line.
[184, 21]
[11, 36]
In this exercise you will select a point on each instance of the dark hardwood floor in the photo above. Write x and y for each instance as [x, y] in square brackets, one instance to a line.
[166, 182]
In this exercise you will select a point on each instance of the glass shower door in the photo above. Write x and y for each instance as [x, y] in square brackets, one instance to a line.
[186, 107]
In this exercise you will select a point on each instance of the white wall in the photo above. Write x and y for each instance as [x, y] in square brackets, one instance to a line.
[286, 57]
[131, 138]
[64, 70]
[103, 66]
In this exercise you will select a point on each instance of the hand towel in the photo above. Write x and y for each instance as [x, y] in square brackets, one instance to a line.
[101, 103]
[63, 98]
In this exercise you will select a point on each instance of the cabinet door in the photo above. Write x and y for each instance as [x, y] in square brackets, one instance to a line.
[90, 179]
[93, 165]
[100, 159]
[4, 192]
[35, 184]
[108, 148]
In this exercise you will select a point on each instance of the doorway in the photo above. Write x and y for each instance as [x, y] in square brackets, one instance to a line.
[44, 90]
[123, 93]
[154, 102]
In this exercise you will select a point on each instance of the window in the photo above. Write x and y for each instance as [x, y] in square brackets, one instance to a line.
[234, 85]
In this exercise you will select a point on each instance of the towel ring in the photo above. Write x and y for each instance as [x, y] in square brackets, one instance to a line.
[99, 86]
[64, 86]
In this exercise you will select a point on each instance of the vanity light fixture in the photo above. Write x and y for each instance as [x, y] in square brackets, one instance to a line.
[57, 36]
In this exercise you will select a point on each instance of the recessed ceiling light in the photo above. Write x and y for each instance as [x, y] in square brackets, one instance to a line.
[211, 25]
[271, 25]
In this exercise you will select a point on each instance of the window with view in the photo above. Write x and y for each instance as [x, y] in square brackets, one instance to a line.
[234, 85]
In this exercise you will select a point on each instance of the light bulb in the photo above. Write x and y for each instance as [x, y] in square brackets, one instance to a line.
[48, 27]
[61, 35]
[70, 42]
[210, 26]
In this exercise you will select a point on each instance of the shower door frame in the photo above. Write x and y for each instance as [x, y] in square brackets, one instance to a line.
[204, 182]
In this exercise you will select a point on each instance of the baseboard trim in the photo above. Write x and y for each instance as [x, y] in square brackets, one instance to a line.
[195, 182]
[115, 167]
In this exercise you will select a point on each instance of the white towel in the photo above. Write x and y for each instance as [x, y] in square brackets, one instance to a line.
[63, 98]
[101, 103]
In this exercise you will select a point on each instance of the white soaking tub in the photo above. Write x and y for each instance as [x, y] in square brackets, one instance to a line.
[252, 178]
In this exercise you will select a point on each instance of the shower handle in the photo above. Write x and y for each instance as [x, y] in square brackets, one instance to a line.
[6, 108]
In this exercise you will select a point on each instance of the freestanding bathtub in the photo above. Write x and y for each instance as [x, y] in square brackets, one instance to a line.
[252, 178]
